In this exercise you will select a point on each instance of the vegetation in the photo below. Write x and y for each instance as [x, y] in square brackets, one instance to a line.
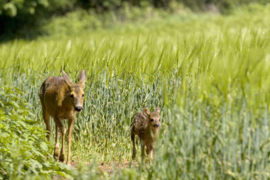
[27, 18]
[208, 74]
[24, 150]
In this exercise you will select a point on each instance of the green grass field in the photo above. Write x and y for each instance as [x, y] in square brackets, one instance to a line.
[208, 74]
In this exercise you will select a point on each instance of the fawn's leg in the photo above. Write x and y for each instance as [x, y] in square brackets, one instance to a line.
[149, 151]
[142, 148]
[134, 147]
[70, 128]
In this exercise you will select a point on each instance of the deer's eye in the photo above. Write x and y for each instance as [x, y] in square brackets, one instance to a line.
[72, 96]
[151, 120]
[83, 95]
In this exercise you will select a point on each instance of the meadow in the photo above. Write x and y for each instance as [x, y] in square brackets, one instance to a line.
[209, 74]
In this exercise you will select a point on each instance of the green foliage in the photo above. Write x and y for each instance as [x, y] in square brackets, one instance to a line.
[22, 18]
[15, 8]
[11, 8]
[24, 151]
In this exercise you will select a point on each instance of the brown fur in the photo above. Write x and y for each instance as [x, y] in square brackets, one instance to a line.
[146, 126]
[61, 99]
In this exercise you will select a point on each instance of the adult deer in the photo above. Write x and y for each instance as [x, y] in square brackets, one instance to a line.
[61, 99]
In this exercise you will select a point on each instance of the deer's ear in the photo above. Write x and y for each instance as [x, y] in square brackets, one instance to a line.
[157, 110]
[146, 111]
[82, 78]
[66, 78]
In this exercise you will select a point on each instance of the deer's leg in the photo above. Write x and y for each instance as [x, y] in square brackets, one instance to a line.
[56, 148]
[63, 133]
[149, 151]
[134, 147]
[46, 118]
[142, 148]
[70, 128]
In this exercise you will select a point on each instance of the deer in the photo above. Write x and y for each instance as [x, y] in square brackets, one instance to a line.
[146, 126]
[61, 99]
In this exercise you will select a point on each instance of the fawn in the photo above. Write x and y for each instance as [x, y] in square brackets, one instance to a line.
[146, 126]
[61, 99]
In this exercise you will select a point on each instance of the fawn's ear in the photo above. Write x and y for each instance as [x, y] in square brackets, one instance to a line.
[82, 78]
[158, 110]
[146, 111]
[66, 78]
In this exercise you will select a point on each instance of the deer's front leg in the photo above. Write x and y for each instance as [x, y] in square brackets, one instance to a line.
[134, 146]
[142, 148]
[63, 133]
[70, 128]
[150, 149]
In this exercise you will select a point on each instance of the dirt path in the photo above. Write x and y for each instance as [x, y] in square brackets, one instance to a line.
[105, 168]
[110, 168]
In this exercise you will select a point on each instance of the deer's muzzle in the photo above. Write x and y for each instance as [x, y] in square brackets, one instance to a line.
[78, 108]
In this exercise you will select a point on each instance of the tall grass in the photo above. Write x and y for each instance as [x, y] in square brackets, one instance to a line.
[209, 75]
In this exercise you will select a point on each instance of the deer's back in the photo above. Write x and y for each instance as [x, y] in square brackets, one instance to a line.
[52, 94]
[140, 124]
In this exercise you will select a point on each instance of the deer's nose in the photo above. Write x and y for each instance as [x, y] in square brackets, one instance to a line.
[78, 108]
[156, 125]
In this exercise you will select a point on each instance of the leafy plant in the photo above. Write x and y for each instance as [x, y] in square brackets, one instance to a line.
[24, 150]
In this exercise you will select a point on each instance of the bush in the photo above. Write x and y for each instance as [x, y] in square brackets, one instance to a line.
[23, 18]
[24, 150]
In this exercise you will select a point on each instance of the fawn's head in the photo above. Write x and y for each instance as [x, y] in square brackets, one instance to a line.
[154, 118]
[76, 93]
